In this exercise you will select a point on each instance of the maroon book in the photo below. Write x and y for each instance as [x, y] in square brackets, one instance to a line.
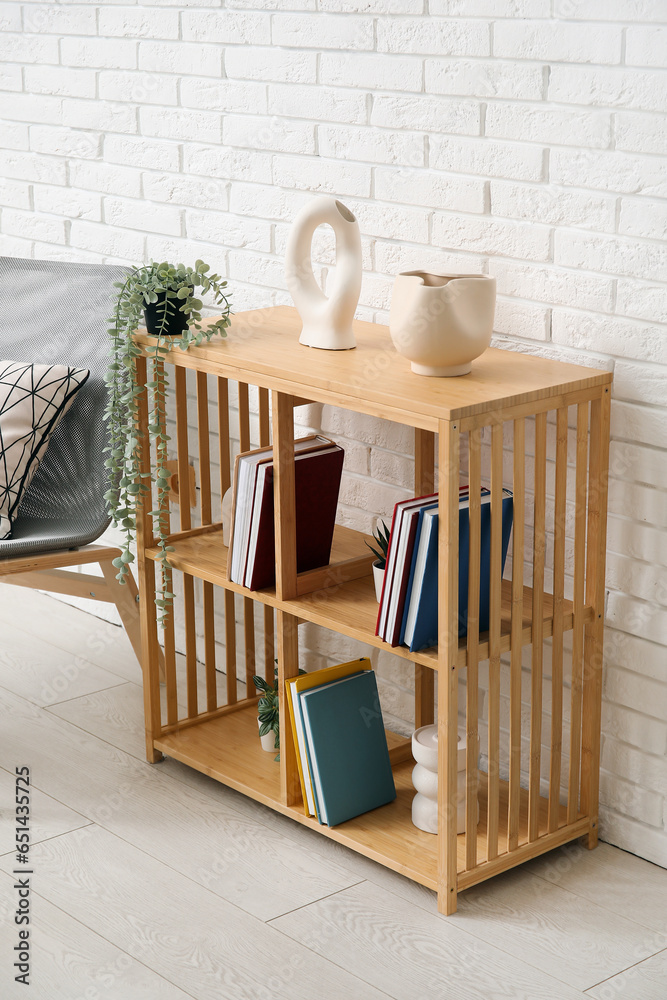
[317, 482]
[390, 566]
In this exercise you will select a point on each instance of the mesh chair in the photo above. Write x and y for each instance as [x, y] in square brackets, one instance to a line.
[56, 312]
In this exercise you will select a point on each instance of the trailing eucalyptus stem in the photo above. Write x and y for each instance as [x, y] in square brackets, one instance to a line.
[173, 291]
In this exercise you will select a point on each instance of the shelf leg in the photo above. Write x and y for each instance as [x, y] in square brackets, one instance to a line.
[288, 666]
[595, 595]
[150, 648]
[424, 475]
[286, 624]
[448, 646]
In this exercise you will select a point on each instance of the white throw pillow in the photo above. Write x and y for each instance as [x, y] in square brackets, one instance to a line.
[33, 400]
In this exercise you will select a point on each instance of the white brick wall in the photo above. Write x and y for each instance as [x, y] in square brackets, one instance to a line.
[525, 138]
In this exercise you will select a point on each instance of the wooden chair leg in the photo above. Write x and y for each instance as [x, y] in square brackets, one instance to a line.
[126, 598]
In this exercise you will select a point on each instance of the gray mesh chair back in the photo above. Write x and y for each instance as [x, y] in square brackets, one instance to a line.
[56, 312]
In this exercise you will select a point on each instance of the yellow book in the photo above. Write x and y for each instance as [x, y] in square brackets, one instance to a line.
[302, 683]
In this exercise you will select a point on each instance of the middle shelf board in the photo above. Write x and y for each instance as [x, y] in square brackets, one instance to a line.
[228, 750]
[349, 605]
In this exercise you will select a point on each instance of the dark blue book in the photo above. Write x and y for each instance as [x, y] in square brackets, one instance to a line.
[421, 620]
[347, 748]
[411, 576]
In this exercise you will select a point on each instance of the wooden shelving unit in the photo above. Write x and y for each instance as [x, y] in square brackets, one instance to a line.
[458, 420]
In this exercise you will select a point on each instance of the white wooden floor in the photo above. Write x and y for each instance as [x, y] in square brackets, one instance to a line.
[156, 883]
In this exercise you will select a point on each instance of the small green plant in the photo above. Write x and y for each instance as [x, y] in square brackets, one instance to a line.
[268, 707]
[381, 538]
[171, 294]
[268, 710]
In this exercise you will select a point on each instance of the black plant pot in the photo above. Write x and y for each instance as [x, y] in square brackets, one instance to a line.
[176, 322]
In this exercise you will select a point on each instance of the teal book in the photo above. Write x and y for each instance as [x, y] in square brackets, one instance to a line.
[347, 748]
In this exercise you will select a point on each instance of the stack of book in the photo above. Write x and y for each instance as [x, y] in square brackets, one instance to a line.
[318, 464]
[408, 612]
[340, 742]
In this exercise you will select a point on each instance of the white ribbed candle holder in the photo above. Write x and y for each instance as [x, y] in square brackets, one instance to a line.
[425, 780]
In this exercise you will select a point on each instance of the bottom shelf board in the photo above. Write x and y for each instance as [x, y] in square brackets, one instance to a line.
[227, 749]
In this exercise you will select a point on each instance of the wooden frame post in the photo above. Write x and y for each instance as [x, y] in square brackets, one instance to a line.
[287, 625]
[448, 647]
[595, 597]
[146, 571]
[424, 484]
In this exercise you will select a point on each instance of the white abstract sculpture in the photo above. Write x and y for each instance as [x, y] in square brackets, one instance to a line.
[442, 322]
[327, 321]
[425, 780]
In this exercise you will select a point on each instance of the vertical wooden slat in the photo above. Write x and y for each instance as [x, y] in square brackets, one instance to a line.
[269, 641]
[494, 641]
[170, 660]
[225, 481]
[557, 638]
[578, 611]
[171, 683]
[424, 695]
[186, 523]
[204, 449]
[287, 625]
[249, 644]
[288, 666]
[424, 483]
[264, 418]
[206, 518]
[180, 374]
[595, 595]
[146, 570]
[472, 673]
[424, 461]
[224, 436]
[244, 417]
[284, 495]
[519, 487]
[540, 469]
[448, 645]
[248, 603]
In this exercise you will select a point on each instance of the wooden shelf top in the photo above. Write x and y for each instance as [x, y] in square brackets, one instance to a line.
[262, 348]
[349, 607]
[228, 750]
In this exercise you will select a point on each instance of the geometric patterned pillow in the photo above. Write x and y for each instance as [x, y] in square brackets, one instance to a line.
[33, 399]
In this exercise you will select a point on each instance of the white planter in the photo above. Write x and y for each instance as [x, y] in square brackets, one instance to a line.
[378, 578]
[268, 741]
[327, 320]
[425, 780]
[442, 322]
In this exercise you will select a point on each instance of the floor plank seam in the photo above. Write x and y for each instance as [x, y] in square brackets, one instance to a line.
[65, 701]
[622, 972]
[330, 961]
[319, 899]
[102, 937]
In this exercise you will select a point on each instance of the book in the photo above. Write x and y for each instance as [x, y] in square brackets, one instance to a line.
[410, 573]
[347, 748]
[395, 554]
[421, 622]
[246, 471]
[294, 686]
[402, 540]
[318, 465]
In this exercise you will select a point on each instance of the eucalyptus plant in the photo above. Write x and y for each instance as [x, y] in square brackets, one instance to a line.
[171, 296]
